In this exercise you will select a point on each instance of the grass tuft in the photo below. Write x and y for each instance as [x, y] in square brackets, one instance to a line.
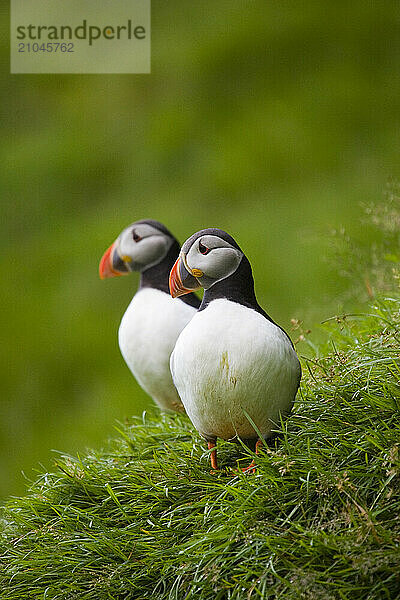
[144, 518]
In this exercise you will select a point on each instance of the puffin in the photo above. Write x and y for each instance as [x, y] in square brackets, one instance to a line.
[153, 320]
[236, 371]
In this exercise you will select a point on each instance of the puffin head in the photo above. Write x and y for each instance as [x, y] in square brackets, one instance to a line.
[140, 246]
[207, 257]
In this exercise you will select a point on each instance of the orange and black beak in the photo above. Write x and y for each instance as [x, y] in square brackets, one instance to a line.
[111, 264]
[181, 281]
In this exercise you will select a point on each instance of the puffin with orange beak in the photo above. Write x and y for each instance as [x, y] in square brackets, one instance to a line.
[152, 321]
[236, 371]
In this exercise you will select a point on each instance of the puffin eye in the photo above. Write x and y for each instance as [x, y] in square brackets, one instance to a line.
[203, 249]
[136, 237]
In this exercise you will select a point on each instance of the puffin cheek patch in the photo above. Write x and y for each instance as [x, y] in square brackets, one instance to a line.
[150, 250]
[222, 262]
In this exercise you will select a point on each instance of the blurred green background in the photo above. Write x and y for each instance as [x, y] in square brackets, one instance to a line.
[273, 120]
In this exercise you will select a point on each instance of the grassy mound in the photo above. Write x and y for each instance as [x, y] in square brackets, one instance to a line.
[145, 519]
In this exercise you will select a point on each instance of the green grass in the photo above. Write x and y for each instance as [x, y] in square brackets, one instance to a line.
[144, 518]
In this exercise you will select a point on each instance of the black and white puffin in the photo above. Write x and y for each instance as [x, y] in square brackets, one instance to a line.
[232, 365]
[153, 320]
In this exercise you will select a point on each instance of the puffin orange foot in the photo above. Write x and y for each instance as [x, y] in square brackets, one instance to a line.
[213, 457]
[250, 469]
[252, 466]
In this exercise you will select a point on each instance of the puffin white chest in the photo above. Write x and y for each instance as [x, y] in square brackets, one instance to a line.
[230, 361]
[147, 336]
